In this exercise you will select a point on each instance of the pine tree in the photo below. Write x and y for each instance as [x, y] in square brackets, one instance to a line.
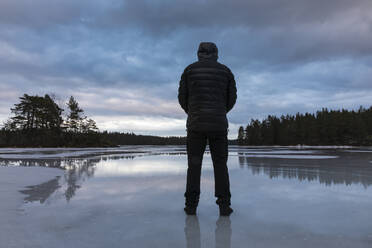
[35, 112]
[23, 114]
[88, 125]
[52, 113]
[75, 115]
[241, 136]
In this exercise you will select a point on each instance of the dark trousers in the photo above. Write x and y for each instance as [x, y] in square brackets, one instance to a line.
[196, 144]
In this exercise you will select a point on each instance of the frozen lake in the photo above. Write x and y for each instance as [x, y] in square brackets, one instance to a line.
[132, 196]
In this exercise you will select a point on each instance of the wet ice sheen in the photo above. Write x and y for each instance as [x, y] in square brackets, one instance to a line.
[136, 200]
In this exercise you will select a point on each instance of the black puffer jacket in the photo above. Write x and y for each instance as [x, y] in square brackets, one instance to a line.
[207, 91]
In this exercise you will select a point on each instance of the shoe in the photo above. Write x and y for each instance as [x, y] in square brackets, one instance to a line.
[190, 210]
[225, 210]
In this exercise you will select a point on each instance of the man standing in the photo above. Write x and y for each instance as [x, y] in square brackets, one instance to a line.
[207, 92]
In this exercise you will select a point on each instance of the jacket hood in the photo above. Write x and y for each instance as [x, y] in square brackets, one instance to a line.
[207, 51]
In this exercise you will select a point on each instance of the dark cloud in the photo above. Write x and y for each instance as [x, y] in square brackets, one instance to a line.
[173, 14]
[41, 14]
[170, 15]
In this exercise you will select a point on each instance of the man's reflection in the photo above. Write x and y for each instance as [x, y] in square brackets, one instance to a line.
[192, 231]
[223, 232]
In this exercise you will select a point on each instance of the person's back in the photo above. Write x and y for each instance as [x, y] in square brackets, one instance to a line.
[207, 92]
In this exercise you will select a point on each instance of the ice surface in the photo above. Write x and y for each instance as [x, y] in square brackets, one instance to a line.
[282, 151]
[136, 199]
[359, 150]
[37, 153]
[12, 180]
[56, 153]
[288, 156]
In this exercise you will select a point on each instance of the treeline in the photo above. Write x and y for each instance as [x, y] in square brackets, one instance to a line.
[37, 121]
[325, 127]
[118, 138]
[47, 138]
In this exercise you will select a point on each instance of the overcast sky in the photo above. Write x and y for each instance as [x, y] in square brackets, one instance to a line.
[122, 60]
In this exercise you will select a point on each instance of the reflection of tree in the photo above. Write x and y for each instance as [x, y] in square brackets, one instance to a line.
[77, 170]
[53, 163]
[241, 160]
[328, 172]
[41, 192]
[170, 153]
